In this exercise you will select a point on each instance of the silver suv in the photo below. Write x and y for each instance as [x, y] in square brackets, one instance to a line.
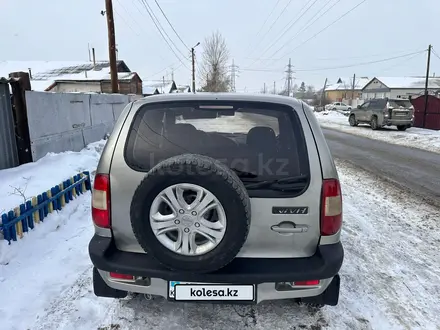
[384, 112]
[217, 197]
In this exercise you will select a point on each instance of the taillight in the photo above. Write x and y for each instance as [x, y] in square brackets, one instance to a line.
[101, 201]
[121, 276]
[331, 207]
[310, 282]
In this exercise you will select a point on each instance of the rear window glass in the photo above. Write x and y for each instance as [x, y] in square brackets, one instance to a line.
[400, 103]
[263, 139]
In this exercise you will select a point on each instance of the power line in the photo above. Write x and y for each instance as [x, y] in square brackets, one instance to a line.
[436, 55]
[178, 36]
[341, 66]
[265, 21]
[401, 62]
[289, 26]
[147, 7]
[364, 63]
[276, 20]
[307, 25]
[126, 23]
[325, 28]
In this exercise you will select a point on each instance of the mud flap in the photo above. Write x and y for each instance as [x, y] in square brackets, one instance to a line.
[101, 289]
[329, 297]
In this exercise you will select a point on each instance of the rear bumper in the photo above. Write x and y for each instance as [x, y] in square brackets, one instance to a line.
[395, 122]
[265, 273]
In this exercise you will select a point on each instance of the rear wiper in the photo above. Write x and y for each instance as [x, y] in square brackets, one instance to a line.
[289, 183]
[244, 174]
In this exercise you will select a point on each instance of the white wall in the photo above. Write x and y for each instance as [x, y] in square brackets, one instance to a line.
[80, 87]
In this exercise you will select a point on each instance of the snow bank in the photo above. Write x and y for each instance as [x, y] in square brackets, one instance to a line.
[34, 178]
[413, 137]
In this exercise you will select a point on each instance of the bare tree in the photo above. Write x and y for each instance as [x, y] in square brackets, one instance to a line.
[215, 64]
[19, 191]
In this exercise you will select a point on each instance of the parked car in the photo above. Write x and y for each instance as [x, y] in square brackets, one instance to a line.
[204, 197]
[338, 106]
[384, 112]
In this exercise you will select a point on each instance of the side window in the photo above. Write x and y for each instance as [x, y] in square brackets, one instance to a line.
[365, 106]
[373, 104]
[337, 103]
[343, 104]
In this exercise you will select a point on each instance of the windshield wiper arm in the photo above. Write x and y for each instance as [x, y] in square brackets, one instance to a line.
[244, 174]
[291, 182]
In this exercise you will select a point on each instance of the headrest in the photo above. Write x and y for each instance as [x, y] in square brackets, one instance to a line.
[261, 135]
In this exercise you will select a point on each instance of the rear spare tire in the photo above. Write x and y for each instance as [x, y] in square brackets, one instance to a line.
[191, 213]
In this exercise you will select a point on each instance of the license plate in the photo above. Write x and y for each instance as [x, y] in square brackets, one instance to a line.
[186, 291]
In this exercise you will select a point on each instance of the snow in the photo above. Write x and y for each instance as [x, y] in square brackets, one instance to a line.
[390, 278]
[35, 178]
[410, 82]
[413, 137]
[347, 84]
[162, 86]
[6, 67]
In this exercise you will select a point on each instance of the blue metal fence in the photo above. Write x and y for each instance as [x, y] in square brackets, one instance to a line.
[24, 217]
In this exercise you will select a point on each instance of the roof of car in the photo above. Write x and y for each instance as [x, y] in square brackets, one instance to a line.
[271, 98]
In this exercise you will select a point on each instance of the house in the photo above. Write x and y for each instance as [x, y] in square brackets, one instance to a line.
[85, 77]
[98, 82]
[343, 89]
[182, 89]
[162, 86]
[399, 87]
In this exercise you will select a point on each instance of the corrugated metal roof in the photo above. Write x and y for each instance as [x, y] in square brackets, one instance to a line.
[45, 73]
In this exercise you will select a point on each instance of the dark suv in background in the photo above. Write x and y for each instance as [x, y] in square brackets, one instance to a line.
[383, 112]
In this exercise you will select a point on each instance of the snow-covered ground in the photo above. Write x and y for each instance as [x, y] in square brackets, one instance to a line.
[413, 137]
[390, 276]
[32, 179]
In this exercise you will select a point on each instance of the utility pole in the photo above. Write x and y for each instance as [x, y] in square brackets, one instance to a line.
[352, 89]
[289, 77]
[264, 88]
[193, 60]
[323, 93]
[112, 45]
[233, 76]
[426, 86]
[274, 87]
[163, 84]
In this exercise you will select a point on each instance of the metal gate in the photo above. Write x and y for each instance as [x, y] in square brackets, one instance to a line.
[8, 145]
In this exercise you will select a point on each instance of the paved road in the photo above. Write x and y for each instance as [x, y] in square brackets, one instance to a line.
[414, 169]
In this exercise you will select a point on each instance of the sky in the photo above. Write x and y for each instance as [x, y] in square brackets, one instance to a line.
[377, 38]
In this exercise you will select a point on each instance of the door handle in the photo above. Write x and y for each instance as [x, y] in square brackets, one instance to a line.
[292, 229]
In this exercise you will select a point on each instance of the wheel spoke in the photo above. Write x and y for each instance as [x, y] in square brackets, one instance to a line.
[163, 226]
[178, 242]
[211, 206]
[204, 203]
[213, 225]
[185, 243]
[206, 230]
[173, 202]
[198, 199]
[182, 202]
[160, 217]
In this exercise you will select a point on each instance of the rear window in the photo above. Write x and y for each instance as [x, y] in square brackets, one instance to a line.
[266, 140]
[400, 103]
